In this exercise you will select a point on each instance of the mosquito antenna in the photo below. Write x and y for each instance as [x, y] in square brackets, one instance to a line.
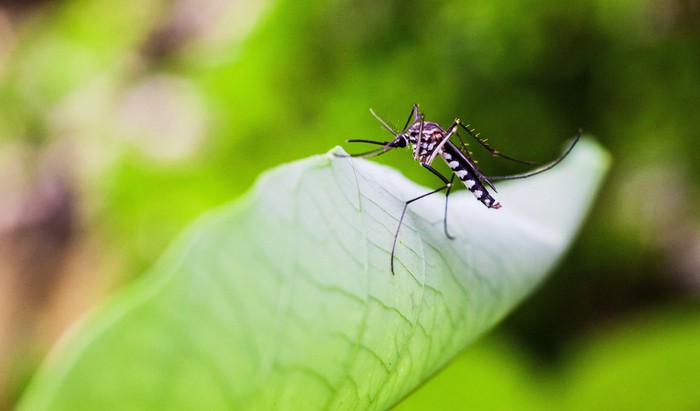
[386, 126]
[492, 150]
[543, 168]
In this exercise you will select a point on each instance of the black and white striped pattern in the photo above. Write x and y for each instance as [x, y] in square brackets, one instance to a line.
[459, 165]
[429, 141]
[433, 141]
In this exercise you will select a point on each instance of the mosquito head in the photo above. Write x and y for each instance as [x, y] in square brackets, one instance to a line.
[401, 141]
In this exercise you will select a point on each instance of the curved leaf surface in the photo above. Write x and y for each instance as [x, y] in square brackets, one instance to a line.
[284, 298]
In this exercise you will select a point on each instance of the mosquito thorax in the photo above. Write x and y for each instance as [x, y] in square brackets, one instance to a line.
[424, 141]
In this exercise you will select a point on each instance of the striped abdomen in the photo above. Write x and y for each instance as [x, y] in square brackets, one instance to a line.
[465, 172]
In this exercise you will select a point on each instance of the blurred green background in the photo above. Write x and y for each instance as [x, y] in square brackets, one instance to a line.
[122, 120]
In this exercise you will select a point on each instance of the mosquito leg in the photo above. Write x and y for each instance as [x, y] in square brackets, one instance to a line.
[367, 154]
[414, 112]
[448, 186]
[447, 196]
[412, 118]
[379, 143]
[420, 134]
[386, 146]
[489, 148]
[544, 167]
[403, 213]
[462, 145]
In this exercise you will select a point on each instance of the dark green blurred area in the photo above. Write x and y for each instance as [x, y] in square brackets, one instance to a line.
[122, 121]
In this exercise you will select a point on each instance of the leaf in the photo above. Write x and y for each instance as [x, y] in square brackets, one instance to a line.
[284, 299]
[650, 362]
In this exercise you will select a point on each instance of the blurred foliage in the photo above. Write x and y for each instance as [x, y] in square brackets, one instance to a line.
[154, 111]
[646, 364]
[265, 303]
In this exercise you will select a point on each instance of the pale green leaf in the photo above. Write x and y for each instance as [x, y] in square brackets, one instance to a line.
[284, 299]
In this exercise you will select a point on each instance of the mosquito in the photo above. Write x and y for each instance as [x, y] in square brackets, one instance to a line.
[428, 141]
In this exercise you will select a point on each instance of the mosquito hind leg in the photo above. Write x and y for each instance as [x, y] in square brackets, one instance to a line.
[490, 149]
[543, 168]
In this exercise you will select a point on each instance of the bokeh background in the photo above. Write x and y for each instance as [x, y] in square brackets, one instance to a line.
[123, 120]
